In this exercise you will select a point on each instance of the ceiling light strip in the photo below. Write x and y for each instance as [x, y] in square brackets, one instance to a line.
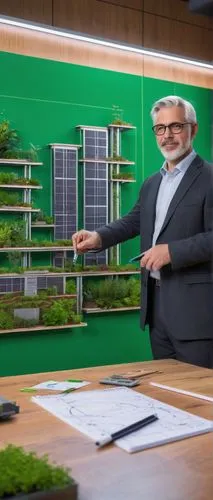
[83, 38]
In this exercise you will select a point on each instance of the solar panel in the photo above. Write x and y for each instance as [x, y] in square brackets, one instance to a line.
[10, 285]
[65, 194]
[95, 147]
[44, 282]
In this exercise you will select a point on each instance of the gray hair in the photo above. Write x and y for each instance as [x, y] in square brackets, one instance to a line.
[173, 100]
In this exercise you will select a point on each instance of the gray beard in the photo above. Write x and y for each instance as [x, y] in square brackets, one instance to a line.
[174, 155]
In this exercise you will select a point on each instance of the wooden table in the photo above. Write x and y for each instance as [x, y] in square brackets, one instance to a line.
[177, 471]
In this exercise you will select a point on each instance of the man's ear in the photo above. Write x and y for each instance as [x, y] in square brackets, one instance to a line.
[194, 130]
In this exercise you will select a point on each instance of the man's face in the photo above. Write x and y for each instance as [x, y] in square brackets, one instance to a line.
[174, 146]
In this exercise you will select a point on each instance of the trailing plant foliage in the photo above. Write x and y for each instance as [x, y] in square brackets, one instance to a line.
[25, 473]
[114, 293]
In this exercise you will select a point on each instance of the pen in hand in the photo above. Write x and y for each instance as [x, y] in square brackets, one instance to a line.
[137, 257]
[127, 430]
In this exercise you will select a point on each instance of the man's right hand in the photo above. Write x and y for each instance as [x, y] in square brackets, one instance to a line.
[86, 240]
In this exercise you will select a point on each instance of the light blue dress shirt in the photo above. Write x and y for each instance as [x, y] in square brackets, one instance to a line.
[168, 186]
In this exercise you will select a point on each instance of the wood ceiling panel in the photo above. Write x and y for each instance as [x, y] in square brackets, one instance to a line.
[99, 19]
[32, 10]
[132, 4]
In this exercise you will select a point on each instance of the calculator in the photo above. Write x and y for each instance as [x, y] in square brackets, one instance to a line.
[116, 380]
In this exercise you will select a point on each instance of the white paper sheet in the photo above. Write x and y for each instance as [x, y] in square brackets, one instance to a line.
[53, 385]
[99, 413]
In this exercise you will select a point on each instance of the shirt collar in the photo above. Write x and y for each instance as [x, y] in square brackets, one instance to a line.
[182, 166]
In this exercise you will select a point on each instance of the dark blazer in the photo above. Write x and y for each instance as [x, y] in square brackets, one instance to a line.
[187, 283]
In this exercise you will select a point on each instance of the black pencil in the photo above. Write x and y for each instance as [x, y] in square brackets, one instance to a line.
[127, 430]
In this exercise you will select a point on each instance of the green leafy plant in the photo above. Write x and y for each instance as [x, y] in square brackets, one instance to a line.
[14, 259]
[30, 154]
[5, 234]
[9, 139]
[56, 315]
[115, 293]
[125, 176]
[26, 473]
[11, 178]
[6, 321]
[117, 158]
[41, 217]
[7, 178]
[9, 199]
[70, 287]
[25, 323]
[117, 113]
[17, 236]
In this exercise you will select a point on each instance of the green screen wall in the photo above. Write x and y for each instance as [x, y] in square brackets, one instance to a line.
[45, 100]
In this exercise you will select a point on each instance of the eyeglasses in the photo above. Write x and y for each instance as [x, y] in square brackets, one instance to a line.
[174, 128]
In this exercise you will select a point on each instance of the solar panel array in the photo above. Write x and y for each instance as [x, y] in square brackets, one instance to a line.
[95, 147]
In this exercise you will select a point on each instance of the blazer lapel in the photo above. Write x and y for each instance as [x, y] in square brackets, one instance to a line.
[189, 177]
[151, 204]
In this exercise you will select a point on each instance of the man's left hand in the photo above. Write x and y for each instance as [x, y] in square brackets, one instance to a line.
[156, 257]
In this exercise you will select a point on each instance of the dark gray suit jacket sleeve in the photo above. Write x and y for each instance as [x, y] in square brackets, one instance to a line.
[122, 229]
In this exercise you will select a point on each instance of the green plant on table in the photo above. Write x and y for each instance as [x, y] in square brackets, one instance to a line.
[25, 473]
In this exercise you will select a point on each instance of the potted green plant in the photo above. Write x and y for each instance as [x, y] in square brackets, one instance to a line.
[25, 476]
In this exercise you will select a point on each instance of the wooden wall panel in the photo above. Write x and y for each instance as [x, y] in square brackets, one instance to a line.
[177, 72]
[132, 4]
[32, 10]
[23, 41]
[167, 35]
[178, 10]
[99, 19]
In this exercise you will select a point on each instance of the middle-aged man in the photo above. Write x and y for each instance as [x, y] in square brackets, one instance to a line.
[174, 216]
